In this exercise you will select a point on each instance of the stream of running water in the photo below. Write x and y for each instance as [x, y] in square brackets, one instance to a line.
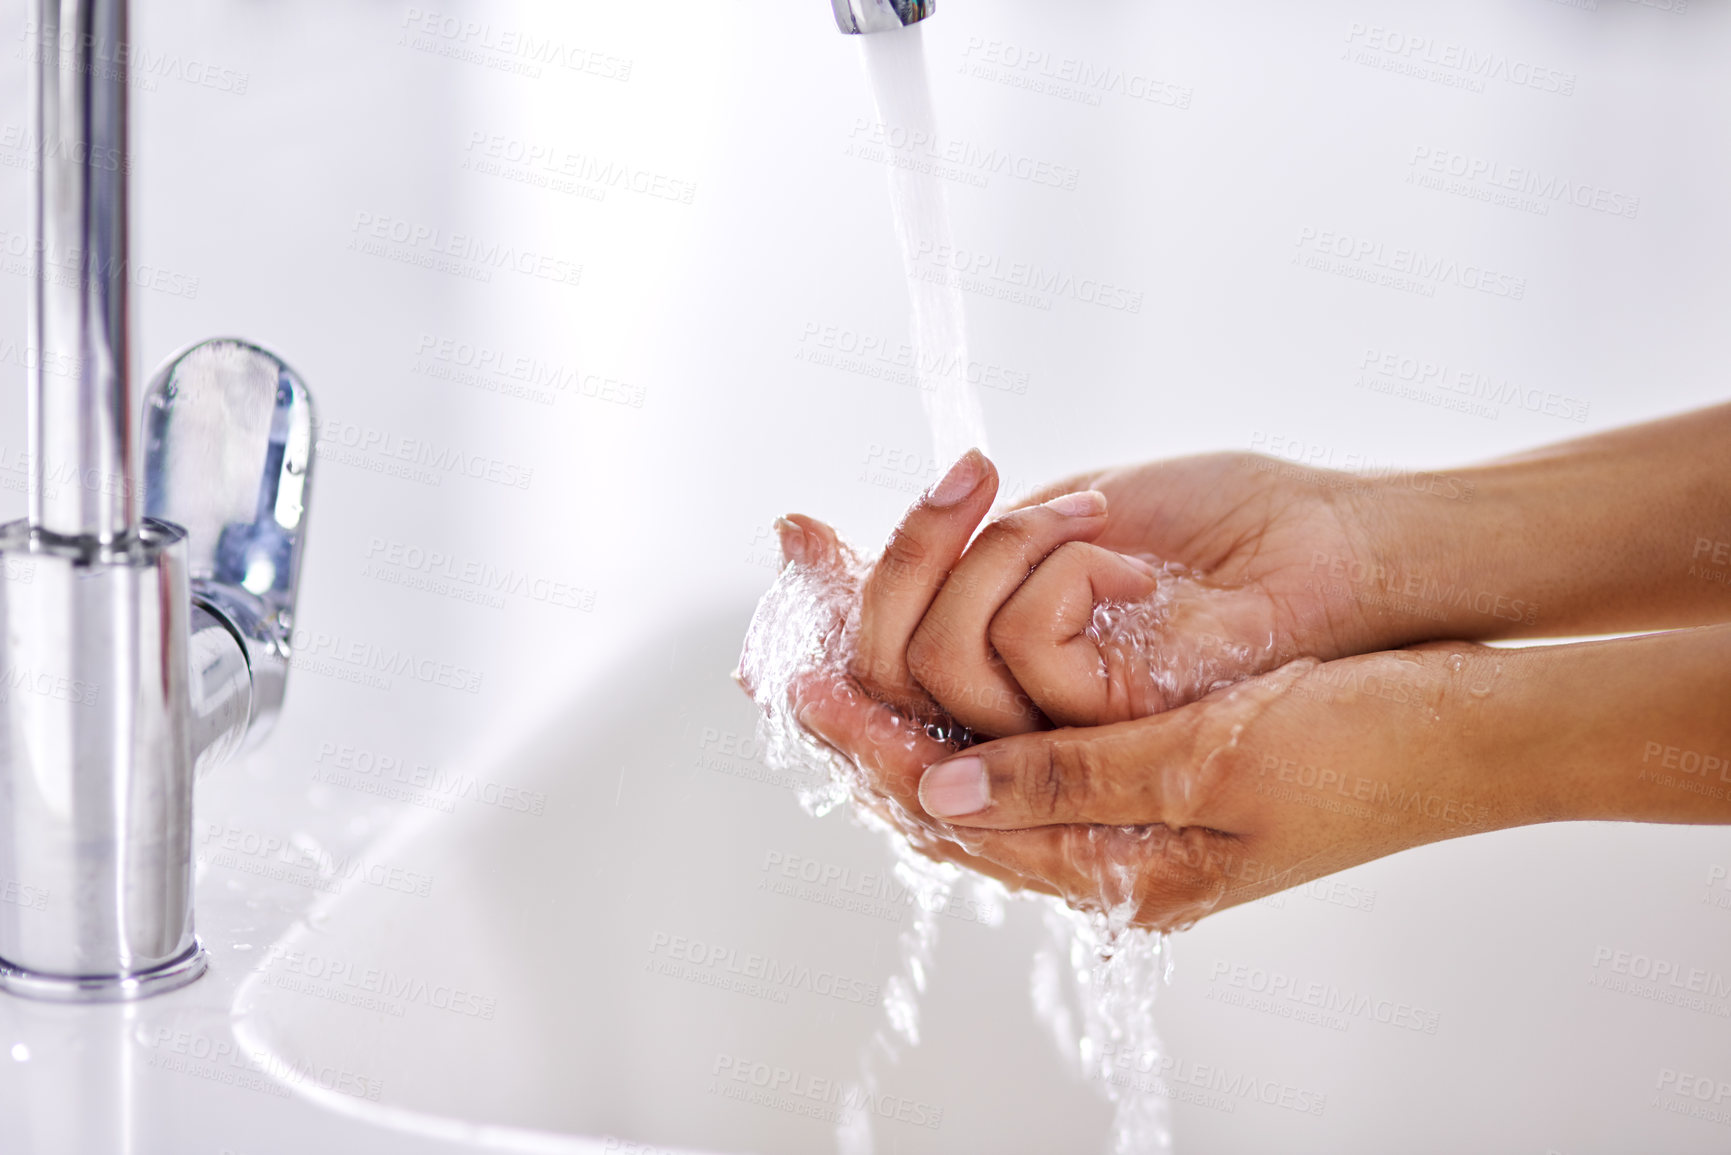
[1094, 982]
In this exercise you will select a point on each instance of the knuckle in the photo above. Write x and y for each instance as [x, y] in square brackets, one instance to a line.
[1015, 532]
[907, 559]
[1056, 777]
[873, 672]
[1039, 781]
[1074, 555]
[931, 652]
[1183, 878]
[1009, 633]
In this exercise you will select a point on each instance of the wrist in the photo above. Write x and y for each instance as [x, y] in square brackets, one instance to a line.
[1627, 730]
[1443, 558]
[1484, 738]
[1618, 532]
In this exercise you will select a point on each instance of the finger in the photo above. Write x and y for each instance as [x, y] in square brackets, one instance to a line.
[1170, 876]
[950, 654]
[808, 541]
[891, 751]
[1110, 775]
[808, 546]
[913, 567]
[1057, 489]
[1042, 635]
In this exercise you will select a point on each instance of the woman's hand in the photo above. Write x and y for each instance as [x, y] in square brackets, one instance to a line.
[883, 749]
[1266, 560]
[1279, 562]
[1228, 563]
[1320, 766]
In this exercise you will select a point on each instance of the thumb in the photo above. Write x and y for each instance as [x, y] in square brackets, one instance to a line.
[1106, 775]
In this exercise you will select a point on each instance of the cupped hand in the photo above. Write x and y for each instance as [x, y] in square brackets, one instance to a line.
[882, 749]
[1258, 787]
[1119, 594]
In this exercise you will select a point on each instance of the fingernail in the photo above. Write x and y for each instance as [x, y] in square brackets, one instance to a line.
[963, 478]
[955, 789]
[1088, 503]
[792, 540]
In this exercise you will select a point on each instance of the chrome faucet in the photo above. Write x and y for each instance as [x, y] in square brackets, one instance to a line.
[143, 627]
[858, 16]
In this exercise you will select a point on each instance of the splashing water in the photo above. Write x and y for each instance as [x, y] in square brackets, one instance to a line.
[1094, 984]
[1097, 999]
[895, 64]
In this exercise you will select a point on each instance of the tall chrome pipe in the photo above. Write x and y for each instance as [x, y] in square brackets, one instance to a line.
[860, 16]
[81, 442]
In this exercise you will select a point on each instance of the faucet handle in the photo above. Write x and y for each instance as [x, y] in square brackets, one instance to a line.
[228, 456]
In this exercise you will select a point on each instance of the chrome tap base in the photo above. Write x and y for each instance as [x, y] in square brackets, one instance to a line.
[96, 696]
[48, 988]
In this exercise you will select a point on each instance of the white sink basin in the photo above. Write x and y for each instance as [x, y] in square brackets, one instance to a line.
[673, 954]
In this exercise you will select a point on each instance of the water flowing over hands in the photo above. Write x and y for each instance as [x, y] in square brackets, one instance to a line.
[1195, 621]
[1037, 622]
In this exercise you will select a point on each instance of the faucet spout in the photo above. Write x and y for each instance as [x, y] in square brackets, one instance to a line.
[862, 16]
